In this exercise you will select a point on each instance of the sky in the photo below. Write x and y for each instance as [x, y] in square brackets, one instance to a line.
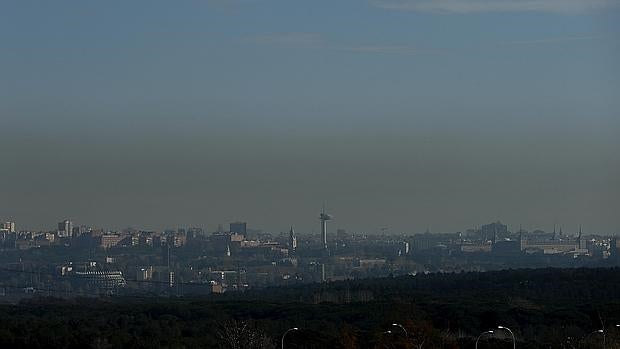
[404, 115]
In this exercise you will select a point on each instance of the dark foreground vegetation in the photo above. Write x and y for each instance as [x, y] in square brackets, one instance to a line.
[546, 308]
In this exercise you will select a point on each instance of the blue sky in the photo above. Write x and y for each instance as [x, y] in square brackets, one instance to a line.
[419, 113]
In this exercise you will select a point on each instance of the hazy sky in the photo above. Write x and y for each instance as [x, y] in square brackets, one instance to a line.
[405, 114]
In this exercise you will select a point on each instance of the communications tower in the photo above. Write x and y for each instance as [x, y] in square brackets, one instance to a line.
[324, 217]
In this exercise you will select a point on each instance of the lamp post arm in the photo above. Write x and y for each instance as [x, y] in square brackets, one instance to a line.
[402, 328]
[285, 333]
[514, 341]
[480, 336]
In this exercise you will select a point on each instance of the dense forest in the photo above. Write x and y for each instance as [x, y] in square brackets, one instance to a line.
[545, 308]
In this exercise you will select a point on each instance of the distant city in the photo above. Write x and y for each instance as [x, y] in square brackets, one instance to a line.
[75, 259]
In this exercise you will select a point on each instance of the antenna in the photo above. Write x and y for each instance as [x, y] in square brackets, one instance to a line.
[324, 217]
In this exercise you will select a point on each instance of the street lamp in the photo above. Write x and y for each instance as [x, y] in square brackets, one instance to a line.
[514, 342]
[604, 337]
[402, 328]
[482, 334]
[287, 331]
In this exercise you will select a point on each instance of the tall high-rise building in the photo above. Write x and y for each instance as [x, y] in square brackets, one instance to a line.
[193, 233]
[65, 228]
[492, 230]
[8, 227]
[239, 228]
[77, 231]
[292, 241]
[324, 217]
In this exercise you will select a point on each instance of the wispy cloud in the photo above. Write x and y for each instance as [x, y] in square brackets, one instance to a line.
[317, 41]
[476, 6]
[292, 39]
[552, 40]
[396, 49]
[300, 40]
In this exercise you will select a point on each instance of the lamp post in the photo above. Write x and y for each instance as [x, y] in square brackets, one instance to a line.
[514, 342]
[602, 331]
[285, 333]
[402, 328]
[482, 334]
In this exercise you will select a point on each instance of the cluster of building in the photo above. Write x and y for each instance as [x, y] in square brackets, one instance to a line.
[496, 239]
[194, 261]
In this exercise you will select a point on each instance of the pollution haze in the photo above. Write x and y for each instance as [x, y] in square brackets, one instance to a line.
[405, 115]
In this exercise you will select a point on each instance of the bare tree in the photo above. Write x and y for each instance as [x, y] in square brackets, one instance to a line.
[235, 334]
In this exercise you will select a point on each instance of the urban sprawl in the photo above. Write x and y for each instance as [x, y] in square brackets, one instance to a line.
[77, 260]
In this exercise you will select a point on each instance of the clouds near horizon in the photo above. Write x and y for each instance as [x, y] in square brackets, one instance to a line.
[480, 6]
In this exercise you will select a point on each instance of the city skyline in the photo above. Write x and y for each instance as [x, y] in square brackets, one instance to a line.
[326, 233]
